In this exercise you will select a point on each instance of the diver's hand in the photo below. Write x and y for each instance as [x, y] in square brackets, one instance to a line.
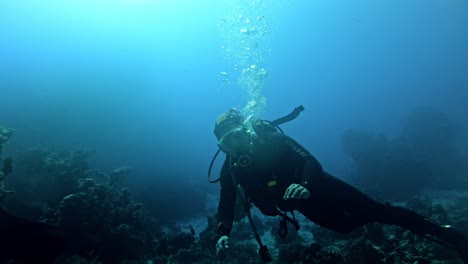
[296, 191]
[222, 244]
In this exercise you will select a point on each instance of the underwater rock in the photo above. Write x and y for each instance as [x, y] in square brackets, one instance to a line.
[122, 243]
[208, 237]
[362, 251]
[374, 232]
[105, 218]
[171, 244]
[293, 252]
[314, 253]
[118, 176]
[44, 176]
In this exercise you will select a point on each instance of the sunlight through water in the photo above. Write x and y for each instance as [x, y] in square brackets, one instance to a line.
[246, 40]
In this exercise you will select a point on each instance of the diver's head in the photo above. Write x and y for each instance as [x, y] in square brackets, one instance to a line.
[234, 138]
[228, 121]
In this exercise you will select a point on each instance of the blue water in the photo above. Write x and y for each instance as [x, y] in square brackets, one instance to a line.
[139, 81]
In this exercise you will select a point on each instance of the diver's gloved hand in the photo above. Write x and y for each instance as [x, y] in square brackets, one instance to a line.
[296, 191]
[222, 244]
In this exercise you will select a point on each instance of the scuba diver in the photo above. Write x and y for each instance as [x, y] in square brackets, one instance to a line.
[278, 175]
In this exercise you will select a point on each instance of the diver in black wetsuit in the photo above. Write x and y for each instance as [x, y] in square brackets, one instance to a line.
[279, 175]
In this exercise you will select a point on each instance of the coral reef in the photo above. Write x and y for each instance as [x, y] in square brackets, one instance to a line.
[97, 214]
[104, 223]
[43, 177]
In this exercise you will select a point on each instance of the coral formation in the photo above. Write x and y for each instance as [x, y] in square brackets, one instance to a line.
[5, 162]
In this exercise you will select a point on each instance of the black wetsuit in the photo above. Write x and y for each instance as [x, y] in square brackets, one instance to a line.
[279, 161]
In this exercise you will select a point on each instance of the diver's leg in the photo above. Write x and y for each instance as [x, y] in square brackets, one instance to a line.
[337, 205]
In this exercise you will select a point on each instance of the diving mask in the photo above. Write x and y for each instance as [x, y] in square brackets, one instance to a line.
[238, 140]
